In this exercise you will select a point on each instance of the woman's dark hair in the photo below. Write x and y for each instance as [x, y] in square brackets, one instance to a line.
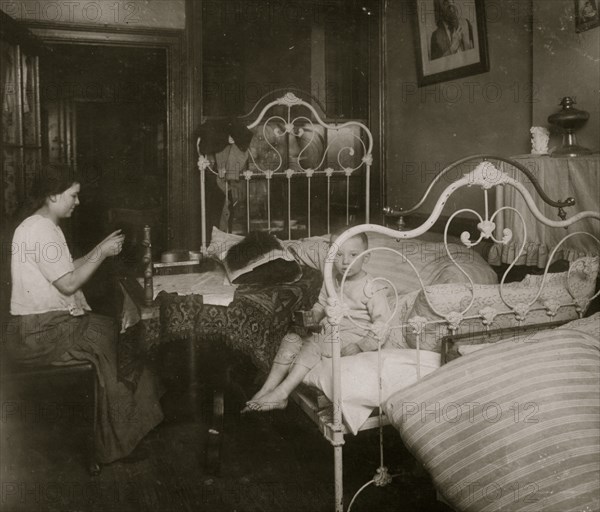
[54, 179]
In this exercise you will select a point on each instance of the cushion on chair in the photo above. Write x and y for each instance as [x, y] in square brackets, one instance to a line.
[11, 371]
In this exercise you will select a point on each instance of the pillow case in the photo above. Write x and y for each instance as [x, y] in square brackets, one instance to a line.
[220, 243]
[590, 325]
[360, 383]
[310, 252]
[511, 427]
[270, 269]
[400, 308]
[447, 298]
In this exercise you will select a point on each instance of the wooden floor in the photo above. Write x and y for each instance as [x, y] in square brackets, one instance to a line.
[270, 462]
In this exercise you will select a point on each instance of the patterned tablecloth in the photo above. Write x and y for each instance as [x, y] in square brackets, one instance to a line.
[253, 323]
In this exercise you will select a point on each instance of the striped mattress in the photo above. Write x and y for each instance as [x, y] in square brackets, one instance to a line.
[512, 427]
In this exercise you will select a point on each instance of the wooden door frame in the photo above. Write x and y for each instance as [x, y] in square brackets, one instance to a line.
[180, 174]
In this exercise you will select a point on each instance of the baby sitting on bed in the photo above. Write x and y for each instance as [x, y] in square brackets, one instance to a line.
[369, 312]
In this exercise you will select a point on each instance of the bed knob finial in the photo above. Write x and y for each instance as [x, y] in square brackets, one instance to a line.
[401, 224]
[382, 477]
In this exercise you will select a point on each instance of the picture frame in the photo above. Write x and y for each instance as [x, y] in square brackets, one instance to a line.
[445, 53]
[587, 15]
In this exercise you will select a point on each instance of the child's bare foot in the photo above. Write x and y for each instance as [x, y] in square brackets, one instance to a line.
[259, 394]
[255, 398]
[275, 399]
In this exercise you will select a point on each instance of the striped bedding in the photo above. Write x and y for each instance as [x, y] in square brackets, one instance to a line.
[513, 427]
[429, 259]
[427, 253]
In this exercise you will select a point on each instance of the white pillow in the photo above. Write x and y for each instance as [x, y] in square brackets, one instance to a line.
[590, 325]
[430, 260]
[310, 251]
[271, 256]
[220, 242]
[360, 383]
[447, 298]
[402, 306]
[428, 257]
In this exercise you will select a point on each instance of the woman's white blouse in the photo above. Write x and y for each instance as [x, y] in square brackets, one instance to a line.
[40, 256]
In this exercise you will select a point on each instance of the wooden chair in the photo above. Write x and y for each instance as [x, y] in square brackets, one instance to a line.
[17, 380]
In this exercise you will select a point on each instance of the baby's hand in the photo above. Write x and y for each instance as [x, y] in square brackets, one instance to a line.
[336, 310]
[351, 349]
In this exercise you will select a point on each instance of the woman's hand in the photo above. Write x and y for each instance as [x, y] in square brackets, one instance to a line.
[86, 266]
[112, 244]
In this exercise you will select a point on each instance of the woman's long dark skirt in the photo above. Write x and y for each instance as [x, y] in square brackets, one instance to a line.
[124, 416]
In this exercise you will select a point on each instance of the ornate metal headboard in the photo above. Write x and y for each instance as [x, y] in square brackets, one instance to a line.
[401, 213]
[293, 146]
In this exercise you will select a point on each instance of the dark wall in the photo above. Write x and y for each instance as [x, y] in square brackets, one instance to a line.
[565, 63]
[429, 127]
[122, 13]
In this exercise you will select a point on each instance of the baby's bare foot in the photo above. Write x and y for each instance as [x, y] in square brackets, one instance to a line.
[255, 398]
[276, 399]
[259, 394]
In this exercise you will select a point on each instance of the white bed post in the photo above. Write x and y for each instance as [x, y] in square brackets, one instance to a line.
[202, 164]
[367, 193]
[248, 176]
[338, 465]
[499, 218]
[348, 174]
[337, 438]
[335, 433]
[289, 173]
[309, 174]
[328, 173]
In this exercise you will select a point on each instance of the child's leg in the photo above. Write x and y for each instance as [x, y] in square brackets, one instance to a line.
[277, 398]
[291, 344]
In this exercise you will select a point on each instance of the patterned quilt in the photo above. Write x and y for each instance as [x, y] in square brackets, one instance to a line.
[253, 323]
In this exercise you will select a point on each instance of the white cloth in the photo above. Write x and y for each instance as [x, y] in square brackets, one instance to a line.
[560, 178]
[130, 314]
[40, 256]
[213, 286]
[360, 379]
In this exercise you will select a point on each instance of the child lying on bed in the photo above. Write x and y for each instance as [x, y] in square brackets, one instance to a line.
[369, 312]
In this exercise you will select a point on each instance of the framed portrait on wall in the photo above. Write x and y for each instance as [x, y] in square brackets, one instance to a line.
[451, 40]
[586, 15]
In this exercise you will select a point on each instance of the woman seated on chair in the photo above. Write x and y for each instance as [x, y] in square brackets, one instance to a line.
[51, 320]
